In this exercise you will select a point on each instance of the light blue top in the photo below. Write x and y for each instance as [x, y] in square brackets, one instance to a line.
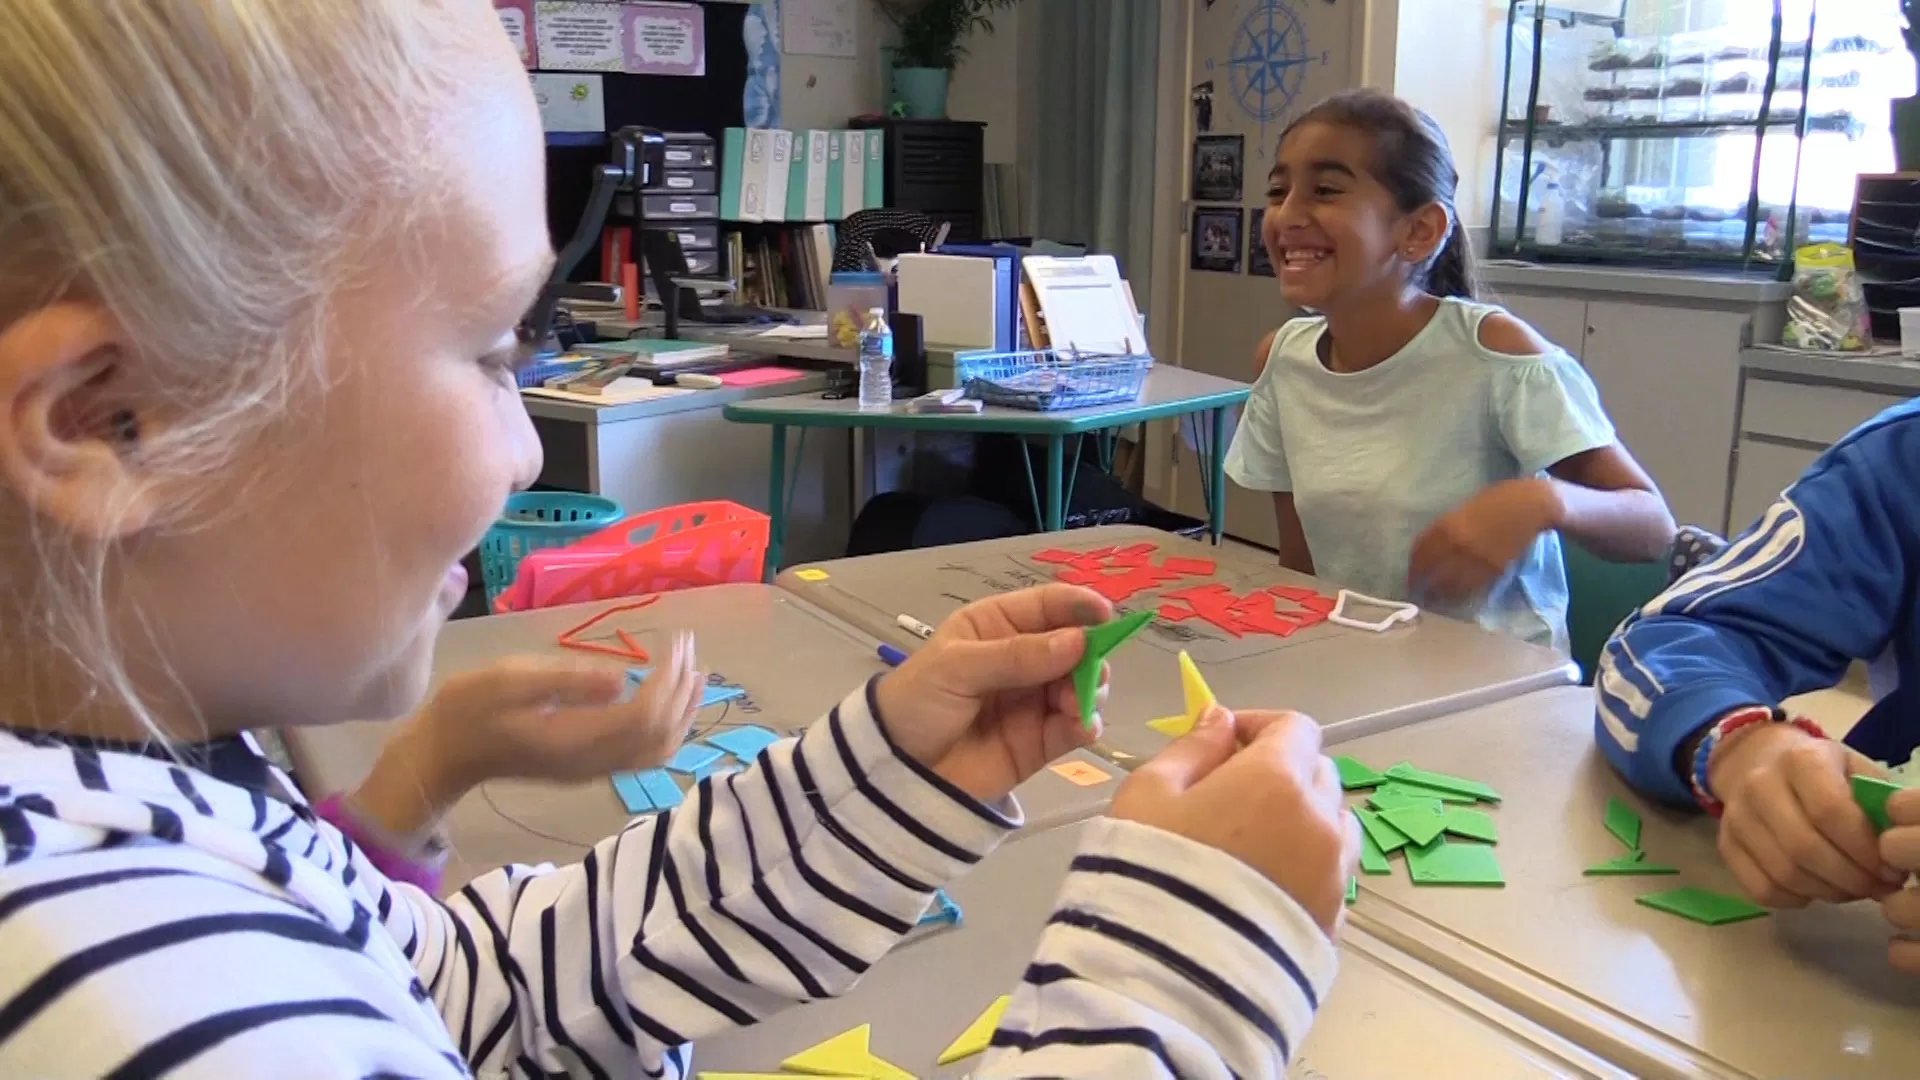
[1374, 457]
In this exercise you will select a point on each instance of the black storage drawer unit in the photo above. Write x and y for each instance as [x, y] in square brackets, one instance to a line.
[937, 167]
[1886, 247]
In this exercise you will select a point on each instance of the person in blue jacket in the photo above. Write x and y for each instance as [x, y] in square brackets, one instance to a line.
[1690, 687]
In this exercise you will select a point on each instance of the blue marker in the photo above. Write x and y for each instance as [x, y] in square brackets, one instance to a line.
[893, 657]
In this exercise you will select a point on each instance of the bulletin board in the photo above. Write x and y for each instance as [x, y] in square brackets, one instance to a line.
[708, 103]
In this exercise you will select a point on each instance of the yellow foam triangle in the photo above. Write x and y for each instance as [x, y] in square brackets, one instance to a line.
[845, 1055]
[1172, 726]
[1199, 697]
[977, 1037]
[764, 1076]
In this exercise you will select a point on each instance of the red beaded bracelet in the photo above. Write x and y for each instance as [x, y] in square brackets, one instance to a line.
[1727, 725]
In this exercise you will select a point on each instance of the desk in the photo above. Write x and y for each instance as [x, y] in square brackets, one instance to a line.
[1797, 994]
[1352, 681]
[795, 661]
[1169, 392]
[1387, 1017]
[646, 455]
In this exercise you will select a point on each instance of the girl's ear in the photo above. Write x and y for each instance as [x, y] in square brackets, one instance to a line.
[71, 430]
[1424, 232]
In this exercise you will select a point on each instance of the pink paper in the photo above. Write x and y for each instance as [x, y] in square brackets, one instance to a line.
[760, 376]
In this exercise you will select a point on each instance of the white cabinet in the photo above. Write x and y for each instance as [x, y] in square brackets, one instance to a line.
[1765, 470]
[1560, 319]
[1670, 379]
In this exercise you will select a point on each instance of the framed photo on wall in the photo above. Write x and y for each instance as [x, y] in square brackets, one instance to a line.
[1214, 240]
[1218, 168]
[1258, 265]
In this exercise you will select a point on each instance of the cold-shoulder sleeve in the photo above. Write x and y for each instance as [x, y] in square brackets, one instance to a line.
[1547, 409]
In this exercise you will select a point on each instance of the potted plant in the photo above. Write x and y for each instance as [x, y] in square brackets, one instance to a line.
[932, 33]
[1906, 111]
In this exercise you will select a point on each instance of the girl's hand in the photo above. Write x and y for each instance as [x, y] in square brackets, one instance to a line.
[1900, 849]
[1256, 787]
[987, 701]
[1463, 553]
[1792, 832]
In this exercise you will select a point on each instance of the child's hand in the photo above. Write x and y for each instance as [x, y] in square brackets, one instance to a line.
[987, 702]
[1792, 832]
[1463, 553]
[539, 719]
[1255, 787]
[1900, 848]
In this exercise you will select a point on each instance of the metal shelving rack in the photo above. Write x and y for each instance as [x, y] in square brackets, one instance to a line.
[1530, 133]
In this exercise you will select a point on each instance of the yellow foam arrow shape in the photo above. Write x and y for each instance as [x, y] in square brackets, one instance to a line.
[977, 1037]
[844, 1055]
[1198, 695]
[764, 1076]
[1172, 726]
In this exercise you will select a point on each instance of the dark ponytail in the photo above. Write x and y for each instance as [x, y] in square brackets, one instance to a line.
[1414, 163]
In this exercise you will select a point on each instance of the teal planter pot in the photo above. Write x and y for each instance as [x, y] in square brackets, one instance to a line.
[923, 91]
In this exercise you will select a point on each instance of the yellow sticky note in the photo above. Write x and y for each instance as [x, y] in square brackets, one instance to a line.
[846, 1054]
[1081, 773]
[978, 1036]
[811, 575]
[1172, 726]
[1199, 698]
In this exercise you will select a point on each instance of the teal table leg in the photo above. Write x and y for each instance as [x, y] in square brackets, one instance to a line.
[777, 503]
[1056, 483]
[1217, 470]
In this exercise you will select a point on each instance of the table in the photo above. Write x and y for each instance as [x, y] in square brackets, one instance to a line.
[1169, 392]
[795, 661]
[667, 451]
[1352, 681]
[1388, 1015]
[1797, 994]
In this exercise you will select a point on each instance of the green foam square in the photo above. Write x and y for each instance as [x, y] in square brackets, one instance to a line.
[1702, 906]
[1631, 865]
[1384, 836]
[1396, 796]
[1455, 864]
[1353, 889]
[1472, 789]
[1623, 823]
[1871, 794]
[1101, 640]
[1354, 774]
[1373, 860]
[1421, 825]
[1472, 824]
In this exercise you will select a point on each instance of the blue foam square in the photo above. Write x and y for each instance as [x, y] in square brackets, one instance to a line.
[744, 742]
[647, 792]
[693, 757]
[714, 695]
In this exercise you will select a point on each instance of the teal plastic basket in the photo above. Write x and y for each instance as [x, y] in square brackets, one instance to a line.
[535, 520]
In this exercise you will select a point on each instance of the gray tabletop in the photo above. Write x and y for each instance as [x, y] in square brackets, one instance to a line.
[1352, 681]
[794, 661]
[1797, 994]
[1886, 372]
[1169, 391]
[579, 412]
[1389, 1016]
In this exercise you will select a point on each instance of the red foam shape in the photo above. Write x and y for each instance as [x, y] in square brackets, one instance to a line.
[1311, 618]
[1294, 593]
[1319, 605]
[1137, 549]
[1269, 622]
[1189, 567]
[1079, 575]
[1130, 558]
[1055, 556]
[1199, 592]
[1116, 589]
[1177, 614]
[1097, 553]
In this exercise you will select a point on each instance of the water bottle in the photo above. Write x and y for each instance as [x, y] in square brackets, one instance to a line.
[876, 363]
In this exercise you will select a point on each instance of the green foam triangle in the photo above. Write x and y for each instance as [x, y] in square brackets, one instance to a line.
[1623, 823]
[1101, 640]
[1634, 865]
[1354, 774]
[1871, 794]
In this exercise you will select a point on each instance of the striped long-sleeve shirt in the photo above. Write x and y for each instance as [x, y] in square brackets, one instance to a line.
[161, 920]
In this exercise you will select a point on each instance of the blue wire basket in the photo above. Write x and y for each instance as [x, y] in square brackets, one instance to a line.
[1049, 381]
[535, 520]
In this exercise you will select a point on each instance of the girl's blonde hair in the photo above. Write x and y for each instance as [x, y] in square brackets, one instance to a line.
[199, 169]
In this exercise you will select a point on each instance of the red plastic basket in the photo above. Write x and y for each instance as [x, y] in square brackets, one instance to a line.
[680, 547]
